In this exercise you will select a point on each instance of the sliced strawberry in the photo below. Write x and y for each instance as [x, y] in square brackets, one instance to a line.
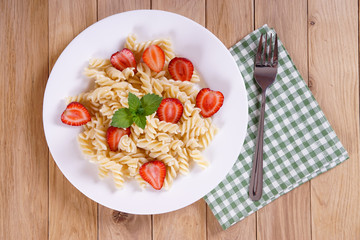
[154, 57]
[75, 114]
[154, 173]
[123, 59]
[209, 101]
[170, 110]
[181, 69]
[113, 136]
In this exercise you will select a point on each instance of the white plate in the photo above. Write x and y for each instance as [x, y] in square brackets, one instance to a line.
[214, 63]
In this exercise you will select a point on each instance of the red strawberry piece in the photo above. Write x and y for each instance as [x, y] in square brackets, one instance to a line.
[209, 101]
[154, 57]
[123, 59]
[113, 136]
[154, 173]
[75, 114]
[181, 69]
[170, 110]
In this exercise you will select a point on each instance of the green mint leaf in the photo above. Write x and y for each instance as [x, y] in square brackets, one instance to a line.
[150, 103]
[140, 120]
[134, 102]
[140, 111]
[122, 118]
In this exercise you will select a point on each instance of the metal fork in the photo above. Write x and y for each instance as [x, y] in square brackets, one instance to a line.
[265, 74]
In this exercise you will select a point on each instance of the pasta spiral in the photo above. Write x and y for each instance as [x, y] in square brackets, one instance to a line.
[126, 144]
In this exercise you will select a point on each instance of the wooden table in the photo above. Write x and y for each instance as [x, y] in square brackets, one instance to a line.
[37, 202]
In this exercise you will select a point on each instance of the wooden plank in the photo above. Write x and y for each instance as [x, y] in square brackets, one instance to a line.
[114, 224]
[71, 214]
[110, 7]
[23, 155]
[194, 10]
[334, 73]
[186, 223]
[230, 20]
[230, 26]
[118, 225]
[189, 222]
[289, 216]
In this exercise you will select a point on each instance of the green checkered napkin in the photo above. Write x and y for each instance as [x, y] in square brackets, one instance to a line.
[299, 143]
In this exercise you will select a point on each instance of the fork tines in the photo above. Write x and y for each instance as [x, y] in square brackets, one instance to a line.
[270, 57]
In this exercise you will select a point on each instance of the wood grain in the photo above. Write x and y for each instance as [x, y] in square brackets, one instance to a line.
[186, 223]
[194, 10]
[289, 216]
[334, 73]
[118, 225]
[23, 155]
[71, 214]
[110, 7]
[230, 26]
[114, 224]
[189, 222]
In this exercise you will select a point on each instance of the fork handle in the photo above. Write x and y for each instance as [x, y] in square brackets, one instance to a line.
[256, 181]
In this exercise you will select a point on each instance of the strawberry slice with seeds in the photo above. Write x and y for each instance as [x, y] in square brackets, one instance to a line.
[170, 110]
[113, 136]
[154, 173]
[123, 59]
[209, 101]
[181, 69]
[75, 114]
[154, 57]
